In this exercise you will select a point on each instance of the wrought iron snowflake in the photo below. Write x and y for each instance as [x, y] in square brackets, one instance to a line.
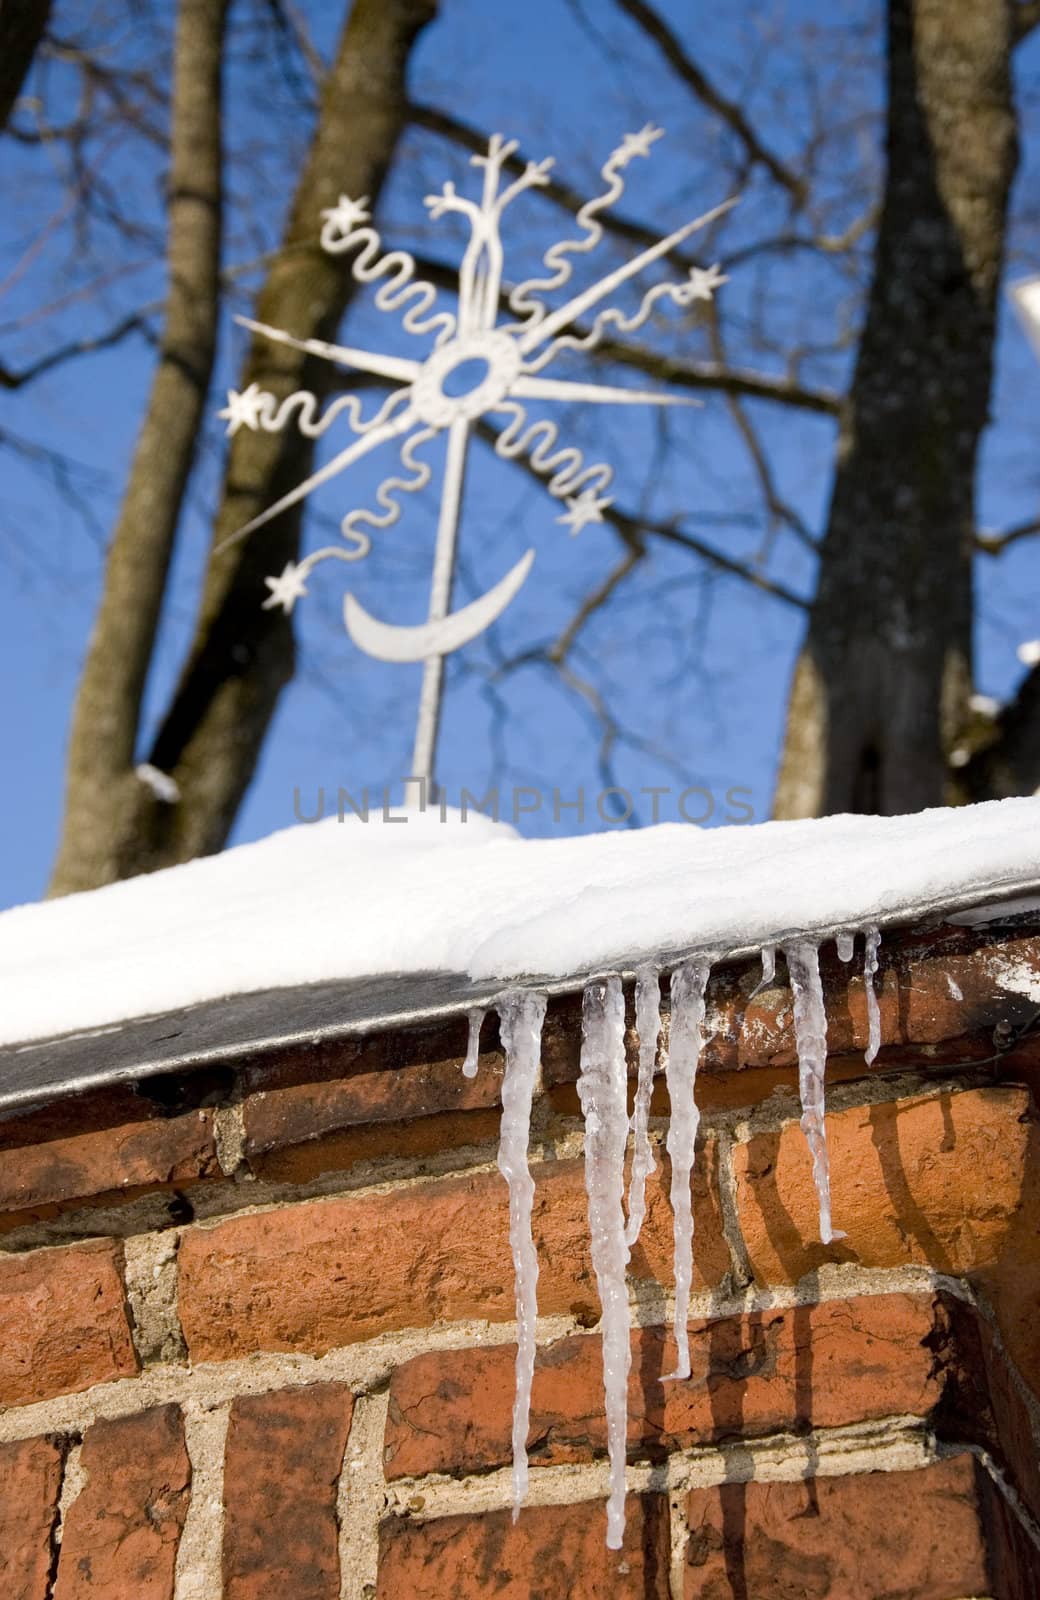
[478, 365]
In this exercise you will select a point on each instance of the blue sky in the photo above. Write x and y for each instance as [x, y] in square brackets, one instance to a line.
[693, 665]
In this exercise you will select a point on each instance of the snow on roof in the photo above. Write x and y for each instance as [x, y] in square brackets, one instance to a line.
[335, 900]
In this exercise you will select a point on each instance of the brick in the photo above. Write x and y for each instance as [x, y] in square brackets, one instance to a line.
[282, 1467]
[923, 1022]
[988, 1402]
[122, 1531]
[824, 1366]
[327, 1108]
[948, 989]
[281, 1117]
[339, 1152]
[747, 1033]
[63, 1322]
[1012, 1283]
[550, 1553]
[325, 1060]
[112, 1106]
[937, 1181]
[971, 991]
[889, 1535]
[328, 1273]
[30, 1482]
[1014, 1559]
[107, 1163]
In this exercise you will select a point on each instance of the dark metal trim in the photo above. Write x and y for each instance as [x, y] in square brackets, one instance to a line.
[245, 1027]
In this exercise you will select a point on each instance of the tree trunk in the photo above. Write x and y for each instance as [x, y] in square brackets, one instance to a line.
[881, 687]
[22, 26]
[242, 656]
[100, 768]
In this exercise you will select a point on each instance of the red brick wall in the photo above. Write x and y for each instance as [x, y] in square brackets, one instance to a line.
[256, 1336]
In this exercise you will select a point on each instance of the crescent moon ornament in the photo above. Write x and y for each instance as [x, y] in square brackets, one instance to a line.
[478, 365]
[389, 641]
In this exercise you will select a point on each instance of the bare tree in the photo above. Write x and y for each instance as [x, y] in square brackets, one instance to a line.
[880, 698]
[880, 714]
[102, 786]
[241, 656]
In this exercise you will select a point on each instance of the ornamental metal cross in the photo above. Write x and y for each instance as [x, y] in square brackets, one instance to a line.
[477, 365]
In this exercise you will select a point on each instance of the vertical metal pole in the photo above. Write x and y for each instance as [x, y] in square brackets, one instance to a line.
[431, 694]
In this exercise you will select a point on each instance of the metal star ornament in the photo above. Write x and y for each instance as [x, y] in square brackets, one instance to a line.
[582, 509]
[243, 410]
[287, 589]
[480, 364]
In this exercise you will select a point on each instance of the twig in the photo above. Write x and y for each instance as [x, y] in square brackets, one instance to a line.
[994, 544]
[726, 110]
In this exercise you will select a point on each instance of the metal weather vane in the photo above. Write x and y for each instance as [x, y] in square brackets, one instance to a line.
[491, 366]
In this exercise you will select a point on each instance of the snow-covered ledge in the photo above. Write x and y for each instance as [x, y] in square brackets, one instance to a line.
[418, 893]
[424, 894]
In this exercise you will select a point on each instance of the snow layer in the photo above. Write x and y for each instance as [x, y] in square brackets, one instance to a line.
[354, 899]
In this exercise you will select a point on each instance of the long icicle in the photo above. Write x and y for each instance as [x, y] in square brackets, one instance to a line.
[689, 983]
[870, 966]
[603, 1090]
[648, 1026]
[521, 1013]
[810, 1031]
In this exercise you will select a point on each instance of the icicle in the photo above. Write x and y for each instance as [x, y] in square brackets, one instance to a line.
[521, 1013]
[768, 970]
[689, 983]
[648, 1026]
[476, 1019]
[846, 943]
[810, 1031]
[603, 1090]
[870, 966]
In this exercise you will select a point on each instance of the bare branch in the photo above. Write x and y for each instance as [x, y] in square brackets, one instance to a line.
[624, 226]
[128, 92]
[594, 601]
[77, 483]
[562, 194]
[696, 375]
[994, 544]
[696, 79]
[632, 529]
[290, 22]
[778, 508]
[827, 244]
[710, 375]
[22, 26]
[137, 322]
[714, 558]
